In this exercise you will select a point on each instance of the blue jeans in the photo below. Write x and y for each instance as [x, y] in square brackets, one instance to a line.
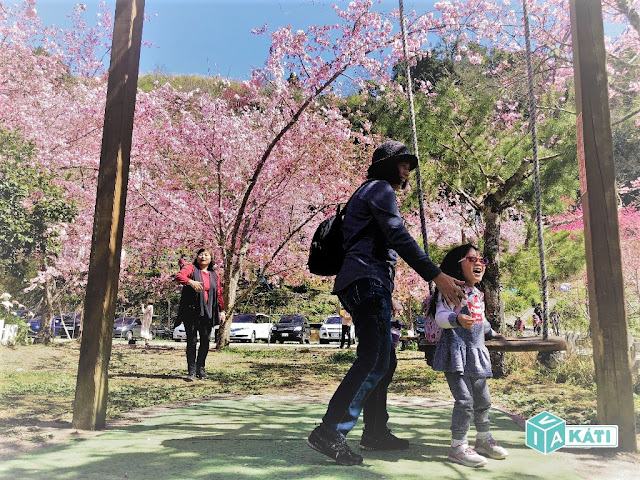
[366, 383]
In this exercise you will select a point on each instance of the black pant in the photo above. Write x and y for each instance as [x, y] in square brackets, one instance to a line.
[192, 328]
[346, 336]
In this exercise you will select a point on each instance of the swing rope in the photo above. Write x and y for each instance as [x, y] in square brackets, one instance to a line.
[414, 134]
[536, 170]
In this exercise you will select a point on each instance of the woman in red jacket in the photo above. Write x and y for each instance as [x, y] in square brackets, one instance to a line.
[201, 307]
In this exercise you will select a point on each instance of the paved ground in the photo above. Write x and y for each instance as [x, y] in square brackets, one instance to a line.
[263, 437]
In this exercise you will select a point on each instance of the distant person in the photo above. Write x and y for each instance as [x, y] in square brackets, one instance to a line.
[538, 310]
[463, 357]
[201, 307]
[364, 286]
[518, 325]
[345, 337]
[537, 323]
[555, 322]
[147, 317]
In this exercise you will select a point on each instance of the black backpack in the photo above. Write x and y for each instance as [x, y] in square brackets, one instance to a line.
[326, 254]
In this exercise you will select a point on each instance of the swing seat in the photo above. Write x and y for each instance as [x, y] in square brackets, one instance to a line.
[513, 344]
[526, 344]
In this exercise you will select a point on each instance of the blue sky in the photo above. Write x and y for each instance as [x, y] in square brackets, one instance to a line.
[213, 37]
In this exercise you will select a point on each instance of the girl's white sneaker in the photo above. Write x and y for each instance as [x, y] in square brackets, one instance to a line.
[467, 456]
[490, 448]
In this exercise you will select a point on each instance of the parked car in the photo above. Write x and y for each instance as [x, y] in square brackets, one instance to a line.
[249, 327]
[179, 333]
[34, 324]
[419, 326]
[164, 332]
[129, 328]
[69, 322]
[331, 330]
[291, 327]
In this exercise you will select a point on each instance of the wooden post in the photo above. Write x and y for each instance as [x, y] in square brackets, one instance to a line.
[90, 407]
[609, 327]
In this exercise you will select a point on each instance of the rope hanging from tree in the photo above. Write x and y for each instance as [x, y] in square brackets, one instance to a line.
[414, 134]
[536, 170]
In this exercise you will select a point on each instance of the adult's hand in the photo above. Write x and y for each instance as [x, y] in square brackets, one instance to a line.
[465, 321]
[450, 289]
[197, 286]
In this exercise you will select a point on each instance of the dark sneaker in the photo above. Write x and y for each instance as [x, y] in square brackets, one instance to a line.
[191, 377]
[385, 441]
[201, 373]
[333, 445]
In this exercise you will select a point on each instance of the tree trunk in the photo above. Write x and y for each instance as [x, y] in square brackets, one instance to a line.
[230, 291]
[493, 308]
[46, 319]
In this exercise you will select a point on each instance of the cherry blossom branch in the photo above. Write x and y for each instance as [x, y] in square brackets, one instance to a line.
[256, 174]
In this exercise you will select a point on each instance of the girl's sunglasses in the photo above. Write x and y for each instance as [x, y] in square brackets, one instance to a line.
[472, 259]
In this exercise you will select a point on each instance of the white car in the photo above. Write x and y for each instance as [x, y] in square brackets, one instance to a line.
[179, 333]
[331, 330]
[250, 327]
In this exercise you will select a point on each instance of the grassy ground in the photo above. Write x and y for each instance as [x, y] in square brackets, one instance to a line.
[37, 382]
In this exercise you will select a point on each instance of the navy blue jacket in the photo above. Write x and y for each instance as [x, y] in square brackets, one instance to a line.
[374, 207]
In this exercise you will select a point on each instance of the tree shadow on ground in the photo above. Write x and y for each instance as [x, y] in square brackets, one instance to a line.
[238, 440]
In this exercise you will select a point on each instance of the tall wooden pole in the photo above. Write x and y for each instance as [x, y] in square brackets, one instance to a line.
[90, 407]
[609, 327]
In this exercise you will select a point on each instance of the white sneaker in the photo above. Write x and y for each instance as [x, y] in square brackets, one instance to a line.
[467, 456]
[489, 447]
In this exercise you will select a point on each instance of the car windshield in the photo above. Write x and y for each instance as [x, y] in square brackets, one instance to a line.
[244, 318]
[294, 319]
[333, 320]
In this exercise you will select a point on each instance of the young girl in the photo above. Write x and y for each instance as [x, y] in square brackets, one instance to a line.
[464, 359]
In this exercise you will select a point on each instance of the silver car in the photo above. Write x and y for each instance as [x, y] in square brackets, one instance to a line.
[129, 328]
[331, 330]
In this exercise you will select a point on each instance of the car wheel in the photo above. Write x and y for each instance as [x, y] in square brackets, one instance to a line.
[323, 342]
[176, 340]
[281, 341]
[253, 337]
[129, 335]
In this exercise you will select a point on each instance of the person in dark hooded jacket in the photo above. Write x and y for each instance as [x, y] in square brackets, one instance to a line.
[374, 236]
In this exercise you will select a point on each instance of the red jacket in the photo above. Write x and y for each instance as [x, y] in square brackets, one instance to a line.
[186, 274]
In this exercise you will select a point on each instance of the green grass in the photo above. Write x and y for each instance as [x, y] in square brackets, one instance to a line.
[37, 383]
